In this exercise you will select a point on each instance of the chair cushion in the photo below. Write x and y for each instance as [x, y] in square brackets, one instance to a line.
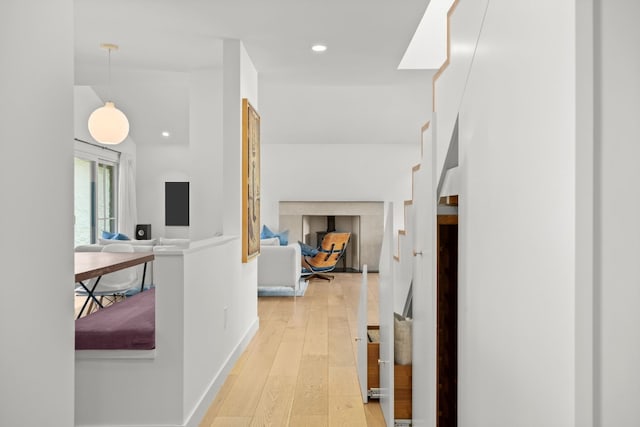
[126, 325]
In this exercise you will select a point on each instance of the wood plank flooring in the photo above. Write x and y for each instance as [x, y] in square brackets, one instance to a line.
[300, 368]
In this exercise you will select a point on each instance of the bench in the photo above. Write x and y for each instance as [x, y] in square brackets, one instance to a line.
[126, 325]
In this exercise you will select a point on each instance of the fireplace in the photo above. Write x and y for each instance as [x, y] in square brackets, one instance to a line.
[306, 221]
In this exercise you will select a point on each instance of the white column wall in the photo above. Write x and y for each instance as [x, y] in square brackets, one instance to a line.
[36, 180]
[239, 80]
[232, 137]
[517, 219]
[617, 212]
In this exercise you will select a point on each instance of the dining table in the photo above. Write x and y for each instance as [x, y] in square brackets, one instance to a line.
[93, 265]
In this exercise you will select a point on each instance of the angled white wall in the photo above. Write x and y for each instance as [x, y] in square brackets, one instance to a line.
[36, 143]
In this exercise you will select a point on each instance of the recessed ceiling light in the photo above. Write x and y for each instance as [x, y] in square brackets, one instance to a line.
[166, 134]
[318, 48]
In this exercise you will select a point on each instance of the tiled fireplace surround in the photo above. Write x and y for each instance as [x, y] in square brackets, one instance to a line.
[365, 221]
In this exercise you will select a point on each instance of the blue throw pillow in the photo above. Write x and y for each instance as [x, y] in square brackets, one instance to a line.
[114, 236]
[266, 233]
[283, 236]
[307, 250]
[107, 235]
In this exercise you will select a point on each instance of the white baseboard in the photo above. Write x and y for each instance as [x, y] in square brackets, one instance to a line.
[193, 420]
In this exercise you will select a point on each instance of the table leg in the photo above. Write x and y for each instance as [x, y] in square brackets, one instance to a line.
[144, 273]
[90, 296]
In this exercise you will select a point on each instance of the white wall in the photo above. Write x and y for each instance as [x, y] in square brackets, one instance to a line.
[617, 212]
[36, 180]
[194, 156]
[205, 148]
[155, 166]
[332, 172]
[382, 114]
[337, 143]
[517, 217]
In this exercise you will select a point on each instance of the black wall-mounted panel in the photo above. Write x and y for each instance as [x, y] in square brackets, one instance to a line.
[176, 203]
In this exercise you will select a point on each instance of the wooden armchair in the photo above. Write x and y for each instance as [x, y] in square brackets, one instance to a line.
[331, 249]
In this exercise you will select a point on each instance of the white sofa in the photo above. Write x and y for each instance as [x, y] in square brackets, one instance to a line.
[279, 266]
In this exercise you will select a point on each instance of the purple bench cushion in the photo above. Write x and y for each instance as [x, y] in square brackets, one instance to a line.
[126, 325]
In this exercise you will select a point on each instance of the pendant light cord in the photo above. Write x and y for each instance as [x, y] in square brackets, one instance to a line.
[109, 65]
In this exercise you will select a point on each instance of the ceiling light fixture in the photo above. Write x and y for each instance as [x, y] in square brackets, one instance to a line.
[166, 134]
[107, 124]
[318, 48]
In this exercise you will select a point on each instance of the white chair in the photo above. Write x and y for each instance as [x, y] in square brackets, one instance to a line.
[113, 284]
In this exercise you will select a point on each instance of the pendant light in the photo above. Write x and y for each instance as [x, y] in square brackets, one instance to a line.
[107, 124]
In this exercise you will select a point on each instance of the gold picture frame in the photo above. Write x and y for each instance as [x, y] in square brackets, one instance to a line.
[250, 182]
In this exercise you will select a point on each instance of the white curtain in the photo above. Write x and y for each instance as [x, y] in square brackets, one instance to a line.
[127, 212]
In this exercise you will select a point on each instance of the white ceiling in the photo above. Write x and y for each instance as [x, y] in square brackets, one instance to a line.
[366, 40]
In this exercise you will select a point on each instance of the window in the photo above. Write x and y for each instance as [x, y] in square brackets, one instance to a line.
[106, 212]
[95, 196]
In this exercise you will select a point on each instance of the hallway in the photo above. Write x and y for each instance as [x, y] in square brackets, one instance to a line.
[300, 368]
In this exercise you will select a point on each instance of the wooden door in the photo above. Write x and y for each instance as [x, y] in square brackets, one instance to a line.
[447, 322]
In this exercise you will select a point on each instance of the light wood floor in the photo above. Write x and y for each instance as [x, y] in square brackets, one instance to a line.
[300, 368]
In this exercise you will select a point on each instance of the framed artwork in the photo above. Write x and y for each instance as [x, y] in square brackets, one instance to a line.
[250, 182]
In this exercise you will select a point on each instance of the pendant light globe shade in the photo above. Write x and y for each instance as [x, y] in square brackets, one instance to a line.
[108, 125]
